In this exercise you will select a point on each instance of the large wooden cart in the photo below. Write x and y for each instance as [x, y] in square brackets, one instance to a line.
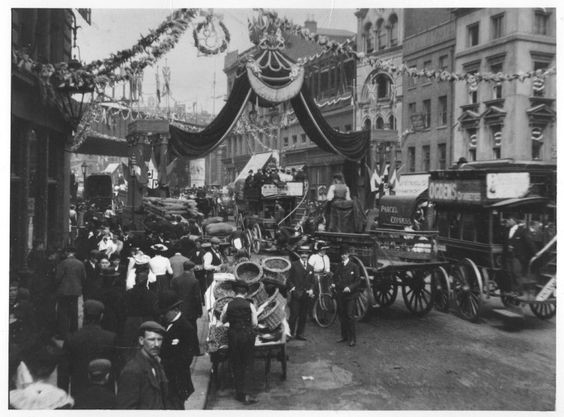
[390, 259]
[471, 206]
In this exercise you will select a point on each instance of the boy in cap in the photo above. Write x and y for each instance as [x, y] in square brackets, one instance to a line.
[143, 384]
[98, 395]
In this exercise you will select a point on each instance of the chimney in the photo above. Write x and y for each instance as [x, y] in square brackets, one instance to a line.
[311, 25]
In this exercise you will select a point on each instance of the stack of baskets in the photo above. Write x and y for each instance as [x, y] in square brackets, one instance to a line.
[217, 337]
[257, 294]
[248, 272]
[276, 270]
[273, 312]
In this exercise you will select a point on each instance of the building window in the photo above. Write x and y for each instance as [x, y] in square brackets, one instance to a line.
[285, 142]
[539, 84]
[379, 123]
[498, 26]
[294, 140]
[442, 111]
[427, 112]
[304, 138]
[411, 159]
[537, 137]
[324, 82]
[381, 34]
[426, 158]
[411, 109]
[442, 155]
[367, 124]
[497, 86]
[472, 143]
[472, 153]
[383, 86]
[541, 22]
[393, 22]
[411, 81]
[473, 34]
[392, 122]
[348, 128]
[368, 37]
[496, 141]
[443, 62]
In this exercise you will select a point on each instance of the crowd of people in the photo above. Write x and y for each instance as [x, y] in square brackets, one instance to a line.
[107, 308]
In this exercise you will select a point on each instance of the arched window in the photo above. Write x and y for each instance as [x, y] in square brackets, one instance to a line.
[392, 122]
[367, 124]
[381, 34]
[368, 37]
[383, 86]
[379, 123]
[393, 24]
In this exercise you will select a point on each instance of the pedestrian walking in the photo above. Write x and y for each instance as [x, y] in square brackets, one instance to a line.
[160, 267]
[187, 288]
[212, 260]
[70, 278]
[89, 343]
[177, 264]
[177, 350]
[93, 280]
[346, 282]
[142, 384]
[300, 283]
[241, 315]
[99, 395]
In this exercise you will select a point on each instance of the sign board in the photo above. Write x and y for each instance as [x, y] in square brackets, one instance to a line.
[198, 172]
[507, 185]
[417, 121]
[412, 185]
[268, 190]
[467, 191]
[295, 188]
[289, 189]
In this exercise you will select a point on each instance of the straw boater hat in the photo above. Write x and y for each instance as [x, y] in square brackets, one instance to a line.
[141, 259]
[159, 247]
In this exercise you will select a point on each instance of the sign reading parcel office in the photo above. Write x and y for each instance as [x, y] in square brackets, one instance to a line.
[493, 186]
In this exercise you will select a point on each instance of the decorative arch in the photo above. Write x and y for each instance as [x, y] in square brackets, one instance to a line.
[377, 86]
[393, 27]
[379, 122]
[367, 124]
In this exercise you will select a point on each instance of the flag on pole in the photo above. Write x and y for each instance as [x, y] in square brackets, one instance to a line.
[375, 180]
[393, 179]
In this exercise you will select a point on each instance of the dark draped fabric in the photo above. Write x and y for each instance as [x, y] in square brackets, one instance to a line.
[199, 144]
[352, 145]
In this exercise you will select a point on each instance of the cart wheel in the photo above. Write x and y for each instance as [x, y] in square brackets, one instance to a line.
[385, 290]
[365, 298]
[544, 310]
[417, 292]
[325, 310]
[257, 238]
[441, 289]
[249, 241]
[467, 289]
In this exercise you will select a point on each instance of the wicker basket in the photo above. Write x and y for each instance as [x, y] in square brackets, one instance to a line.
[249, 272]
[223, 289]
[276, 270]
[272, 315]
[217, 338]
[258, 296]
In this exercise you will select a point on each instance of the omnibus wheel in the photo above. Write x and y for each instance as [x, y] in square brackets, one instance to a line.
[544, 309]
[365, 299]
[467, 289]
[325, 310]
[257, 238]
[417, 291]
[441, 289]
[385, 290]
[249, 241]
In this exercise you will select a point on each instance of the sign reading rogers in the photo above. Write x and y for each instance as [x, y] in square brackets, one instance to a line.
[455, 191]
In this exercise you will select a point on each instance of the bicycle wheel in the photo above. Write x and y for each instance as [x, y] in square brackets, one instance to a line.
[325, 310]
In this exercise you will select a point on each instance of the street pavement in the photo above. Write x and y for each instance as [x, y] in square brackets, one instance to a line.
[402, 362]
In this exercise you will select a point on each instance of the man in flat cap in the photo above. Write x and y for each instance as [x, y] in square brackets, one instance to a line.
[98, 395]
[142, 384]
[346, 282]
[178, 349]
[88, 343]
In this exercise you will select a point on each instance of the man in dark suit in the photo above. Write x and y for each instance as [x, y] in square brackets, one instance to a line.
[98, 395]
[187, 289]
[70, 278]
[93, 282]
[143, 384]
[177, 350]
[89, 343]
[300, 282]
[518, 251]
[347, 282]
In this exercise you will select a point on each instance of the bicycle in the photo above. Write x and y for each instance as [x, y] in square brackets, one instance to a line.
[325, 305]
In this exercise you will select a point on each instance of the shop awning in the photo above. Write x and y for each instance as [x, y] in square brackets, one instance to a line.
[396, 211]
[257, 161]
[97, 143]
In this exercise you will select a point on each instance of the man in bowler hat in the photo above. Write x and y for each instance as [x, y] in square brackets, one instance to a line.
[300, 281]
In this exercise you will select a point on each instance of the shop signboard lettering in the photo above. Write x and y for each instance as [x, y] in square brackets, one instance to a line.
[462, 191]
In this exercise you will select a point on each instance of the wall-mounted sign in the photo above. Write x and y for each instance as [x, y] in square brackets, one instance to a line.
[453, 190]
[412, 185]
[198, 172]
[418, 122]
[507, 185]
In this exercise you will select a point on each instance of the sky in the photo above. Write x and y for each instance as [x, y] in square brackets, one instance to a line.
[192, 74]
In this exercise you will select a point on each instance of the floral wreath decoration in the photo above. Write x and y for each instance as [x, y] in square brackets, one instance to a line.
[207, 39]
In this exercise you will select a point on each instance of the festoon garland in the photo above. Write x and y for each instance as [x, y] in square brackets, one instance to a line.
[211, 36]
[347, 48]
